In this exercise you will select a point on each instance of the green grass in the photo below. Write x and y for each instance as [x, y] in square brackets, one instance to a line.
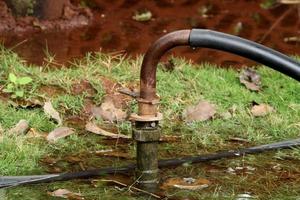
[186, 85]
[72, 104]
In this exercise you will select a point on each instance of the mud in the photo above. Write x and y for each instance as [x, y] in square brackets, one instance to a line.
[113, 29]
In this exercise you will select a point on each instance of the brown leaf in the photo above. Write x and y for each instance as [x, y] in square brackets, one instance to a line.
[49, 160]
[186, 183]
[21, 128]
[108, 112]
[36, 23]
[169, 66]
[91, 127]
[73, 159]
[54, 170]
[66, 194]
[58, 133]
[201, 112]
[32, 133]
[69, 13]
[51, 112]
[250, 79]
[261, 110]
[25, 103]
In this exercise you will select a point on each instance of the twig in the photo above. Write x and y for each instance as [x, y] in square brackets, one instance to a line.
[128, 92]
[132, 187]
[91, 127]
[18, 44]
[275, 24]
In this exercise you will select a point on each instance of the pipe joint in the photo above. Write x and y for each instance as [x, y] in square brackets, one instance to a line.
[146, 135]
[148, 107]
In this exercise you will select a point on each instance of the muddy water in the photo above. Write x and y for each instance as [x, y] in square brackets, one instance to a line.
[113, 29]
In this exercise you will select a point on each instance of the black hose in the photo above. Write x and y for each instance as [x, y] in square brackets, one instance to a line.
[245, 48]
[22, 180]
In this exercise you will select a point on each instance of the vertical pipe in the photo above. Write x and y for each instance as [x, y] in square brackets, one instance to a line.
[146, 135]
[146, 132]
[147, 166]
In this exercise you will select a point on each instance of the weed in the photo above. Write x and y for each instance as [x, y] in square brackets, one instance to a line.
[16, 85]
[267, 4]
[142, 16]
[69, 103]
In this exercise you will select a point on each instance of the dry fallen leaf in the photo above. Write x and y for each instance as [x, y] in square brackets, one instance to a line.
[73, 159]
[201, 112]
[261, 110]
[91, 127]
[108, 112]
[66, 194]
[250, 79]
[54, 170]
[186, 183]
[58, 133]
[32, 133]
[25, 103]
[240, 170]
[49, 160]
[169, 66]
[21, 128]
[52, 113]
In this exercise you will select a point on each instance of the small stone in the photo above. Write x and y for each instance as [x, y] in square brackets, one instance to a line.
[201, 112]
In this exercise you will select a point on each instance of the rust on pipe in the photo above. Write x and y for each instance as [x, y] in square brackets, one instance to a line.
[146, 131]
[148, 98]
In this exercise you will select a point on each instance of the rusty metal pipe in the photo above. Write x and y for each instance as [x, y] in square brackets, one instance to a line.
[208, 39]
[146, 128]
[146, 131]
[147, 103]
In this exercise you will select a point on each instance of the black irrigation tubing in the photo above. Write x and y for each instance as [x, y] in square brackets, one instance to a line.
[12, 181]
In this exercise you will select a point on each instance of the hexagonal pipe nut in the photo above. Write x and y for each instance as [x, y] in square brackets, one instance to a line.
[146, 135]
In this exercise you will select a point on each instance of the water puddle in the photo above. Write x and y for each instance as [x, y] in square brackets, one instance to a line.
[113, 29]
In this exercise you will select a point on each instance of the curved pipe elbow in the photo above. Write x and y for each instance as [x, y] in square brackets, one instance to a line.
[153, 56]
[206, 39]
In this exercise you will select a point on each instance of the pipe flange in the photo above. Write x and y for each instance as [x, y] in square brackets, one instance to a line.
[146, 118]
[146, 135]
[145, 101]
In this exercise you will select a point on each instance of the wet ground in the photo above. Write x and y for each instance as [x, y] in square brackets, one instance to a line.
[114, 29]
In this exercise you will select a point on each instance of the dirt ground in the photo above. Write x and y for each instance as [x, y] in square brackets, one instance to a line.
[114, 29]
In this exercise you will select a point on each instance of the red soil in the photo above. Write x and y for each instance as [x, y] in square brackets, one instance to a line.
[113, 29]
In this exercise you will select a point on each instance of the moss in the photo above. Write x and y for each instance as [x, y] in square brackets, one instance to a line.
[22, 7]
